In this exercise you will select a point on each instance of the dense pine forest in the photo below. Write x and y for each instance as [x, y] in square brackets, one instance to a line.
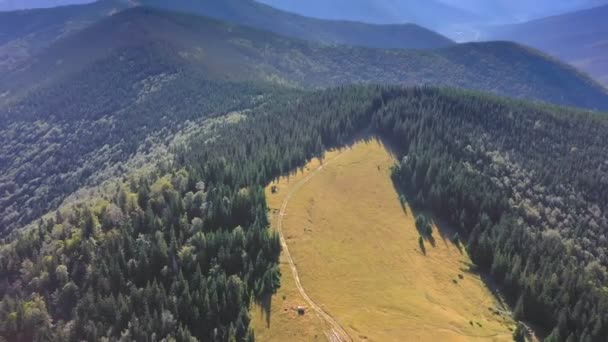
[136, 144]
[182, 251]
[86, 100]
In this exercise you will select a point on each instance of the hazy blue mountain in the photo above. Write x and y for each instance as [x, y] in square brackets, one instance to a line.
[460, 20]
[22, 33]
[436, 14]
[25, 33]
[431, 13]
[228, 52]
[258, 15]
[511, 11]
[580, 38]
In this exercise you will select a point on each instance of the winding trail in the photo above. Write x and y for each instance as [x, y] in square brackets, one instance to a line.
[337, 333]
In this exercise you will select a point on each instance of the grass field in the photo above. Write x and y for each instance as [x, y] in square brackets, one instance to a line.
[357, 254]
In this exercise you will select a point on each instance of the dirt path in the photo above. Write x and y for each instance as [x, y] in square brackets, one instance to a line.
[337, 333]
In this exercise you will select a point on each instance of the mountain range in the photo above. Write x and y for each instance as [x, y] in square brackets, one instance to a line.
[23, 33]
[580, 38]
[461, 20]
[258, 15]
[141, 141]
[433, 14]
[135, 62]
[236, 52]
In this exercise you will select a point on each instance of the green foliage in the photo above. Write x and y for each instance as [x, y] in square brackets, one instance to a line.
[148, 274]
[455, 144]
[424, 226]
[519, 335]
[98, 96]
[186, 259]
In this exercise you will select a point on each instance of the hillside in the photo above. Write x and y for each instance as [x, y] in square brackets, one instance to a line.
[25, 33]
[185, 248]
[432, 14]
[142, 64]
[487, 166]
[260, 16]
[229, 52]
[138, 155]
[461, 20]
[578, 38]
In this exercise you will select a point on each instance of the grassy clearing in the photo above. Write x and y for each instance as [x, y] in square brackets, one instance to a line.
[283, 322]
[358, 256]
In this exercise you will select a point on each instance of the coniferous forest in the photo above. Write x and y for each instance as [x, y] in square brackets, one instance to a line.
[136, 145]
[182, 252]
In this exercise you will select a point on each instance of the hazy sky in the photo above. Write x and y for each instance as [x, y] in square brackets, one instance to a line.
[8, 5]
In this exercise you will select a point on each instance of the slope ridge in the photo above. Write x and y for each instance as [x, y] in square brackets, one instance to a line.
[27, 32]
[578, 38]
[230, 52]
[261, 16]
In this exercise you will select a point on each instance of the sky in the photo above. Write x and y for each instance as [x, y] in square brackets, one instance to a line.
[10, 5]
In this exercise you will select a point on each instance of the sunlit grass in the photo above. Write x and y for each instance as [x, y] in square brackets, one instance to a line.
[359, 257]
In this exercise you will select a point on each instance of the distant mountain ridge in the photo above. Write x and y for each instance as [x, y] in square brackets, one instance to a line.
[261, 16]
[461, 20]
[236, 53]
[511, 11]
[430, 13]
[579, 38]
[25, 33]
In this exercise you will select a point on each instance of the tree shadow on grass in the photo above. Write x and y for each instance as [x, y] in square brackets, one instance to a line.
[426, 221]
[448, 234]
[421, 244]
[265, 304]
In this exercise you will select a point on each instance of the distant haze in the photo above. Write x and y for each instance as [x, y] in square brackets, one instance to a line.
[461, 20]
[382, 11]
[435, 14]
[520, 10]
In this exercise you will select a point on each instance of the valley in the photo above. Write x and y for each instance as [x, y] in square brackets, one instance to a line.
[358, 257]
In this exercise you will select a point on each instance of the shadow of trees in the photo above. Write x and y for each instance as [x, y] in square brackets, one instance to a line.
[425, 222]
[265, 304]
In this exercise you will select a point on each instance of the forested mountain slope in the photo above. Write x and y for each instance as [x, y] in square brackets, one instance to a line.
[238, 53]
[181, 250]
[260, 16]
[578, 38]
[525, 185]
[24, 33]
[142, 64]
